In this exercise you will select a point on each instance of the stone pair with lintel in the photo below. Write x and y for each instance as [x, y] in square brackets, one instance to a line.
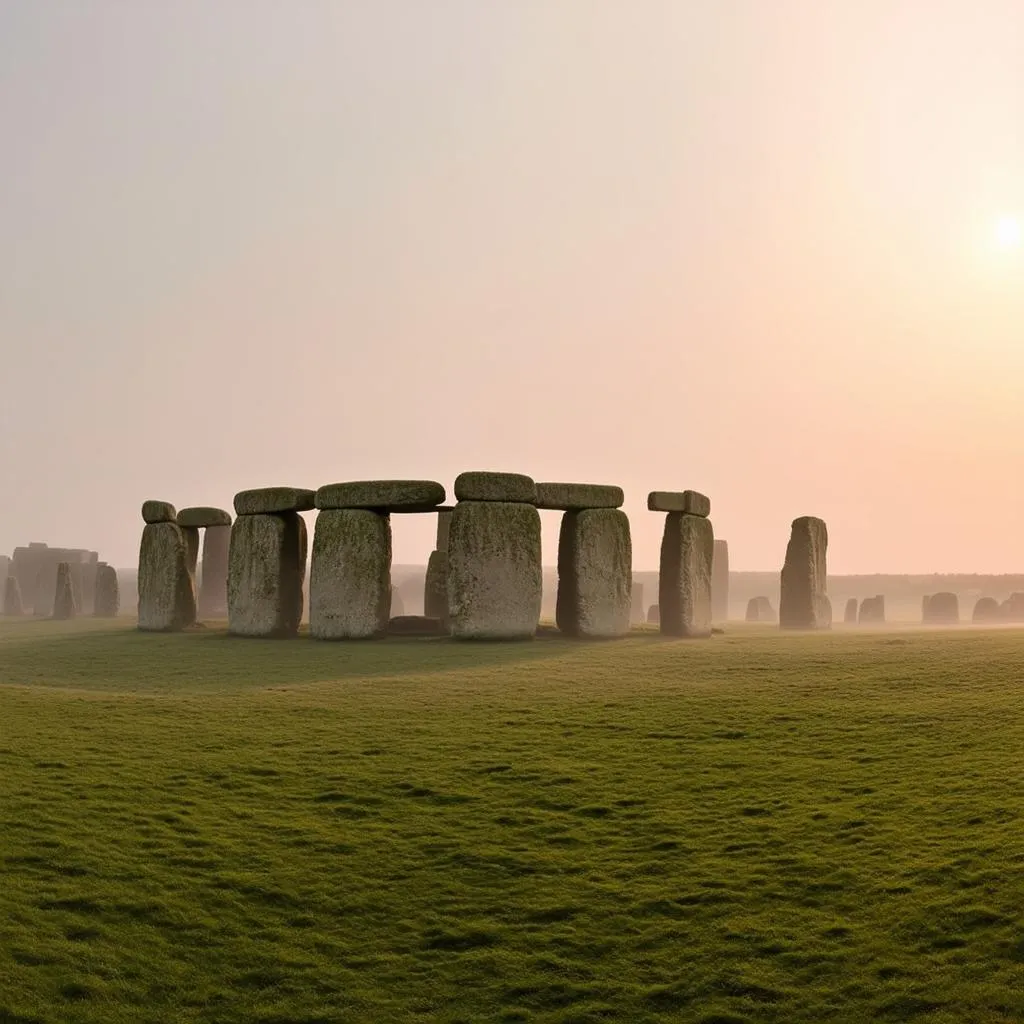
[687, 556]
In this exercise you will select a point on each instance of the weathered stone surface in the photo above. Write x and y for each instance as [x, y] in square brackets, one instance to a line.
[872, 610]
[397, 607]
[435, 587]
[65, 603]
[382, 495]
[720, 582]
[167, 597]
[266, 565]
[416, 625]
[158, 512]
[804, 576]
[653, 615]
[943, 609]
[684, 584]
[692, 503]
[107, 602]
[213, 586]
[595, 573]
[444, 524]
[759, 609]
[273, 500]
[987, 609]
[503, 487]
[636, 602]
[850, 612]
[12, 597]
[191, 535]
[494, 570]
[202, 516]
[350, 581]
[577, 497]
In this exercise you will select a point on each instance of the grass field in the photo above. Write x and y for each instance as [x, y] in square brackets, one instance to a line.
[755, 828]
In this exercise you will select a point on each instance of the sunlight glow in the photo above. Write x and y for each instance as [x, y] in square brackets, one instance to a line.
[1009, 233]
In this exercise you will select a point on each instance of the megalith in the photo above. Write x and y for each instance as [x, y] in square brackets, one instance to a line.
[435, 587]
[12, 597]
[720, 582]
[850, 612]
[687, 553]
[987, 610]
[1015, 607]
[107, 602]
[494, 558]
[753, 610]
[396, 605]
[65, 600]
[167, 596]
[801, 605]
[636, 602]
[653, 615]
[944, 609]
[872, 610]
[759, 609]
[595, 563]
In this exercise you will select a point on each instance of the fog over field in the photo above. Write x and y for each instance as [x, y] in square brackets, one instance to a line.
[764, 250]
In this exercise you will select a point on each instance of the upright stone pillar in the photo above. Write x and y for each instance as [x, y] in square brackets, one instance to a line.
[267, 562]
[435, 584]
[12, 597]
[90, 563]
[943, 609]
[720, 582]
[850, 612]
[216, 540]
[65, 601]
[107, 600]
[494, 558]
[687, 552]
[167, 596]
[636, 602]
[803, 601]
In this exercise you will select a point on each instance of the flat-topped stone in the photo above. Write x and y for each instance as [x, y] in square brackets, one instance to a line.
[382, 495]
[202, 516]
[158, 512]
[692, 503]
[482, 486]
[578, 497]
[270, 500]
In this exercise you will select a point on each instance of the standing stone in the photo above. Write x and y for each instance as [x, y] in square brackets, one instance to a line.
[1015, 607]
[65, 603]
[213, 591]
[167, 597]
[350, 581]
[12, 597]
[444, 525]
[753, 610]
[494, 563]
[653, 615]
[266, 566]
[720, 582]
[684, 585]
[944, 609]
[987, 610]
[872, 610]
[759, 609]
[435, 587]
[107, 602]
[804, 576]
[850, 614]
[636, 602]
[595, 557]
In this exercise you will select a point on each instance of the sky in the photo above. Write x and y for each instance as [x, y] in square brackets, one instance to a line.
[744, 247]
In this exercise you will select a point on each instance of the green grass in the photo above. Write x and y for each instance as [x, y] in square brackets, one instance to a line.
[754, 828]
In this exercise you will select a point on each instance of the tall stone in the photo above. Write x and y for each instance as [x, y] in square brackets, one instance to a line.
[850, 613]
[435, 586]
[636, 602]
[1015, 607]
[494, 560]
[872, 610]
[266, 566]
[653, 615]
[595, 557]
[720, 582]
[12, 597]
[987, 610]
[753, 610]
[167, 596]
[213, 590]
[684, 584]
[804, 577]
[943, 609]
[107, 601]
[65, 601]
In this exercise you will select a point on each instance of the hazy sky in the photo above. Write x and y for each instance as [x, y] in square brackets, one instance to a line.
[744, 246]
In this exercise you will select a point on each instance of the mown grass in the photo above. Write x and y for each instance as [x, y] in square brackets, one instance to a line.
[755, 828]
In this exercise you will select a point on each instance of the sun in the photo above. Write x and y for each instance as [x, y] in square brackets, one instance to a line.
[1008, 232]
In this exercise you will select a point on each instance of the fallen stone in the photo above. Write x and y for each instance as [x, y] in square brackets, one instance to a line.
[382, 495]
[804, 577]
[158, 512]
[692, 503]
[202, 516]
[416, 625]
[720, 582]
[273, 501]
[684, 583]
[577, 497]
[350, 591]
[435, 587]
[850, 612]
[266, 566]
[653, 615]
[595, 561]
[167, 597]
[12, 597]
[494, 569]
[213, 588]
[65, 604]
[107, 603]
[501, 487]
[987, 609]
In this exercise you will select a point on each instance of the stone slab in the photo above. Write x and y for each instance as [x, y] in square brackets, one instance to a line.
[804, 577]
[576, 497]
[158, 512]
[107, 602]
[595, 563]
[273, 500]
[435, 587]
[382, 495]
[850, 612]
[167, 598]
[693, 503]
[202, 516]
[494, 570]
[503, 487]
[350, 581]
[684, 581]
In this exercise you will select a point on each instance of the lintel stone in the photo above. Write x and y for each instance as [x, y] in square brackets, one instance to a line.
[384, 495]
[484, 486]
[692, 503]
[200, 516]
[273, 500]
[577, 497]
[158, 512]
